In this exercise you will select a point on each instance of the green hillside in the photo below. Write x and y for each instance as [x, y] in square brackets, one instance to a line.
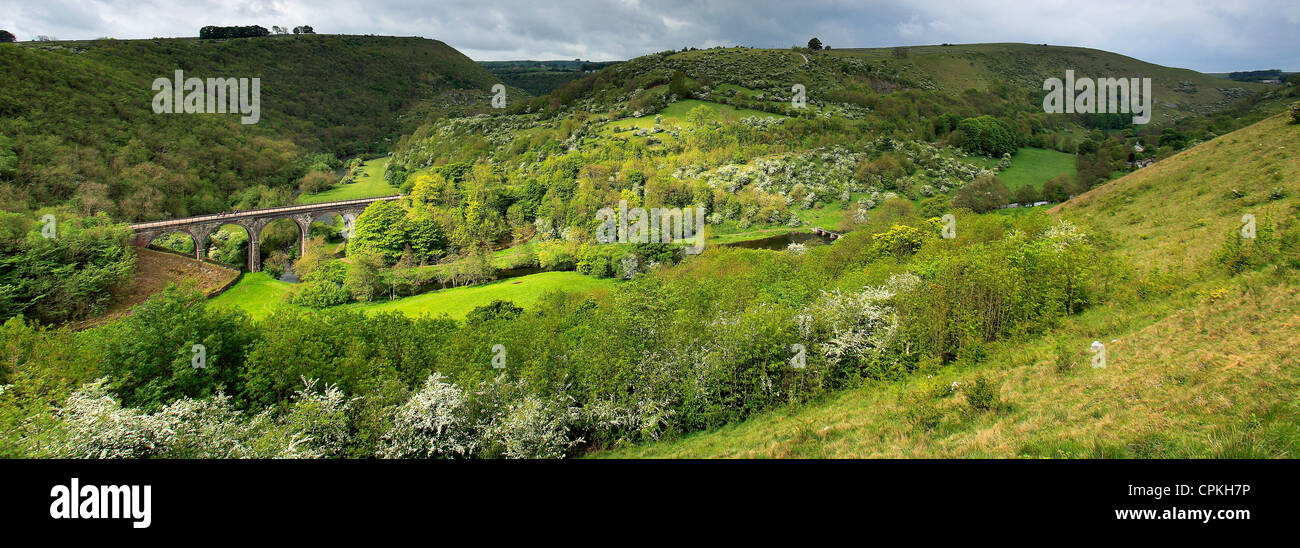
[78, 120]
[1200, 362]
[934, 321]
[958, 67]
[718, 127]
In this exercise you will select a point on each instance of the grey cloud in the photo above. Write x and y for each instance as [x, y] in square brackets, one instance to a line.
[1203, 35]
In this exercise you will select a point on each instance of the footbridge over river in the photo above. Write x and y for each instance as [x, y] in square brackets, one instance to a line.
[201, 227]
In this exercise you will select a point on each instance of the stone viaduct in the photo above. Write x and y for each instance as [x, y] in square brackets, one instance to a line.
[201, 227]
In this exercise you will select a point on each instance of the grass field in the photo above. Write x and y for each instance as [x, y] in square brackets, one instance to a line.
[1034, 166]
[369, 184]
[459, 301]
[257, 293]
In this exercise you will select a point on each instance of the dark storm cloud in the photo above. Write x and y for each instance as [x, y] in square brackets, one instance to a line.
[1202, 35]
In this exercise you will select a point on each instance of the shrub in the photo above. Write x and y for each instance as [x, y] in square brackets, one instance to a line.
[275, 263]
[988, 135]
[319, 294]
[497, 309]
[655, 252]
[982, 195]
[93, 424]
[333, 270]
[149, 353]
[899, 241]
[1064, 357]
[1025, 195]
[317, 181]
[363, 276]
[920, 411]
[982, 395]
[1295, 112]
[555, 255]
[1057, 189]
[435, 422]
[597, 261]
[535, 428]
[935, 206]
[1238, 254]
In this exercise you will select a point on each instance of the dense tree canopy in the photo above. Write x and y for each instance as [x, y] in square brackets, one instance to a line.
[250, 31]
[989, 135]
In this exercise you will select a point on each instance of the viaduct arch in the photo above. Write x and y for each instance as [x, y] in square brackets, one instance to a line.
[201, 227]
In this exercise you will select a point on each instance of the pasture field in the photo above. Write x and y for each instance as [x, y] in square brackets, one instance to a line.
[456, 302]
[1034, 166]
[369, 184]
[258, 294]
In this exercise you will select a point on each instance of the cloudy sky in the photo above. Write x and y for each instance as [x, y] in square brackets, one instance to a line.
[1209, 36]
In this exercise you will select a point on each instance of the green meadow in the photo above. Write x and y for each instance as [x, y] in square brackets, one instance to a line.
[369, 184]
[258, 294]
[1034, 166]
[456, 302]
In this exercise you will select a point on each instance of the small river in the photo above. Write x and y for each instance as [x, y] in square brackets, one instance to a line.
[780, 241]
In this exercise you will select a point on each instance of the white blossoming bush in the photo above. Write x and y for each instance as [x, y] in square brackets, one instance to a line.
[500, 418]
[628, 266]
[858, 332]
[536, 428]
[95, 426]
[1064, 234]
[644, 419]
[205, 429]
[92, 424]
[435, 422]
[544, 229]
[315, 426]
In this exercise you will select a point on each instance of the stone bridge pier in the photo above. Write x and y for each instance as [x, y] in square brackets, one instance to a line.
[200, 228]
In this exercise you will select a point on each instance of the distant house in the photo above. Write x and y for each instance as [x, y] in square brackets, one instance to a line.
[1137, 147]
[1270, 81]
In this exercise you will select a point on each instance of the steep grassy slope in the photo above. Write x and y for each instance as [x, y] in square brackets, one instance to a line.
[1175, 213]
[155, 270]
[1207, 367]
